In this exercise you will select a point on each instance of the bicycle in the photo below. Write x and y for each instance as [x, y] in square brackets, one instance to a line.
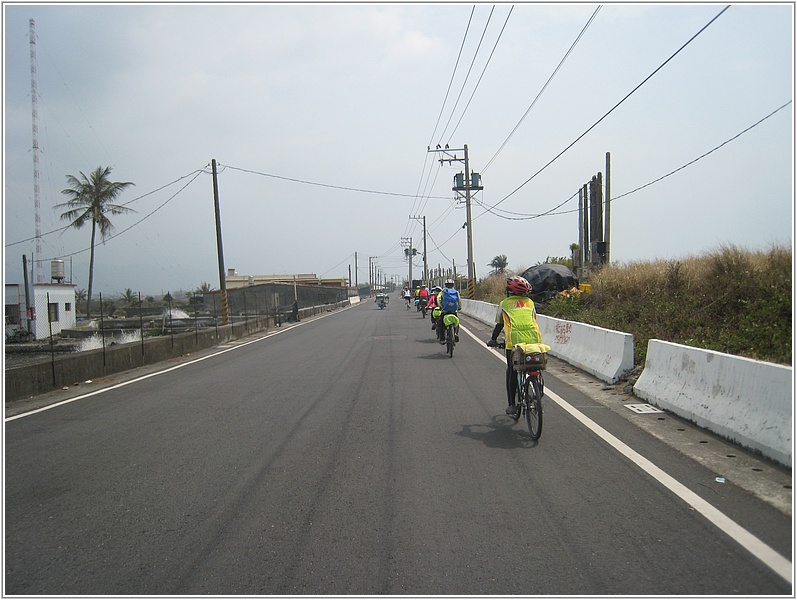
[528, 367]
[451, 322]
[422, 306]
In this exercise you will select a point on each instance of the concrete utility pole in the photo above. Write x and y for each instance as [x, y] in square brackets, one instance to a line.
[468, 184]
[408, 242]
[608, 207]
[34, 100]
[371, 271]
[425, 263]
[220, 248]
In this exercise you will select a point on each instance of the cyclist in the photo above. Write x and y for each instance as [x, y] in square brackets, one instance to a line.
[407, 295]
[423, 297]
[448, 301]
[432, 305]
[518, 317]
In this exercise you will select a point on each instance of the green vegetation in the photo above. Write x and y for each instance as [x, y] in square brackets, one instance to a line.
[731, 300]
[90, 202]
[499, 264]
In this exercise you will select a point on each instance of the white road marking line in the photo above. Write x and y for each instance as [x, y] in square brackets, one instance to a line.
[778, 563]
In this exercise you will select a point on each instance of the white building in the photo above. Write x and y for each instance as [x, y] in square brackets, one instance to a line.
[55, 307]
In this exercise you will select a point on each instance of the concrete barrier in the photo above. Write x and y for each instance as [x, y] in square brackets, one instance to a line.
[604, 353]
[746, 401]
[481, 311]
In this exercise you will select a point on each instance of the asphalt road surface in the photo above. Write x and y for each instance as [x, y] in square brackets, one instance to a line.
[349, 455]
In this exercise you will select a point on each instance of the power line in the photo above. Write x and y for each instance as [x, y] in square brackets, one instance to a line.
[551, 212]
[116, 235]
[326, 185]
[544, 87]
[756, 124]
[489, 58]
[456, 65]
[628, 95]
[195, 173]
[442, 108]
[467, 75]
[521, 216]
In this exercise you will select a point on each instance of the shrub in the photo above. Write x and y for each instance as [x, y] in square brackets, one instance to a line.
[731, 300]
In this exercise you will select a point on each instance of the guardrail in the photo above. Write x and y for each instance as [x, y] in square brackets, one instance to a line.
[746, 401]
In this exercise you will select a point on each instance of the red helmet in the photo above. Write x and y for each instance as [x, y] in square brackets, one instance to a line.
[518, 286]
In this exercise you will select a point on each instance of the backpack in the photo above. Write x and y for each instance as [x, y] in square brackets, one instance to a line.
[450, 300]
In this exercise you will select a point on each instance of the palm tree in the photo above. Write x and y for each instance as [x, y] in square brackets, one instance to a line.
[499, 263]
[80, 295]
[129, 297]
[90, 200]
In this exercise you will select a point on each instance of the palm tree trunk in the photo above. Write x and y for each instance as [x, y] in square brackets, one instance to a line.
[91, 269]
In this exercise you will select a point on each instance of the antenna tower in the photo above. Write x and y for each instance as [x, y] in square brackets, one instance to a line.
[34, 98]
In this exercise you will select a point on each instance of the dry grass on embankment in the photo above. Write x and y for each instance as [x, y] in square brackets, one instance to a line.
[731, 300]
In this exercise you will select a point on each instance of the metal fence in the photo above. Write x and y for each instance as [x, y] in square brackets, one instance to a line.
[279, 300]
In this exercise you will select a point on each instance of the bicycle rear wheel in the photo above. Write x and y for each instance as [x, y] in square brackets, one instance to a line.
[533, 396]
[519, 391]
[450, 340]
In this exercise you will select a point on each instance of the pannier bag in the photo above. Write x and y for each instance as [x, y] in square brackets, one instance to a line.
[436, 313]
[451, 319]
[530, 357]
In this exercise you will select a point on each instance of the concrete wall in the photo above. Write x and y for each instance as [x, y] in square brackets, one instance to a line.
[744, 400]
[604, 353]
[68, 368]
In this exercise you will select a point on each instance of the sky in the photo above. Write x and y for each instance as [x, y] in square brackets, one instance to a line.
[320, 117]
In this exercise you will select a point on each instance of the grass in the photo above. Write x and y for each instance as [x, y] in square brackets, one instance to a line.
[731, 300]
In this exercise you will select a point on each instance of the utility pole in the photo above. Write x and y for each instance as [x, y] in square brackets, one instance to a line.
[608, 206]
[406, 243]
[356, 283]
[220, 248]
[34, 99]
[425, 263]
[371, 272]
[468, 184]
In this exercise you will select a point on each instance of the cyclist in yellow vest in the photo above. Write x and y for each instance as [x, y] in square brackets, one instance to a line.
[517, 316]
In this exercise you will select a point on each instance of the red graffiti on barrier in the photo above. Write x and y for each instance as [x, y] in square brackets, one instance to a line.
[562, 331]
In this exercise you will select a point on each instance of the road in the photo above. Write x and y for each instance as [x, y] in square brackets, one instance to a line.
[348, 455]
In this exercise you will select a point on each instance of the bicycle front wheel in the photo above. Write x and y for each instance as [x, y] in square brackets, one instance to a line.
[533, 394]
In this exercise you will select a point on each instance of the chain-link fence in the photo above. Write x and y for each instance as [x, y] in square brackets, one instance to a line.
[272, 300]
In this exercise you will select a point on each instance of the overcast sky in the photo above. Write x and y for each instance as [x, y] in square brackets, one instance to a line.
[320, 117]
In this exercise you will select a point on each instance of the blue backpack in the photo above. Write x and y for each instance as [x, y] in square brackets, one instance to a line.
[450, 300]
